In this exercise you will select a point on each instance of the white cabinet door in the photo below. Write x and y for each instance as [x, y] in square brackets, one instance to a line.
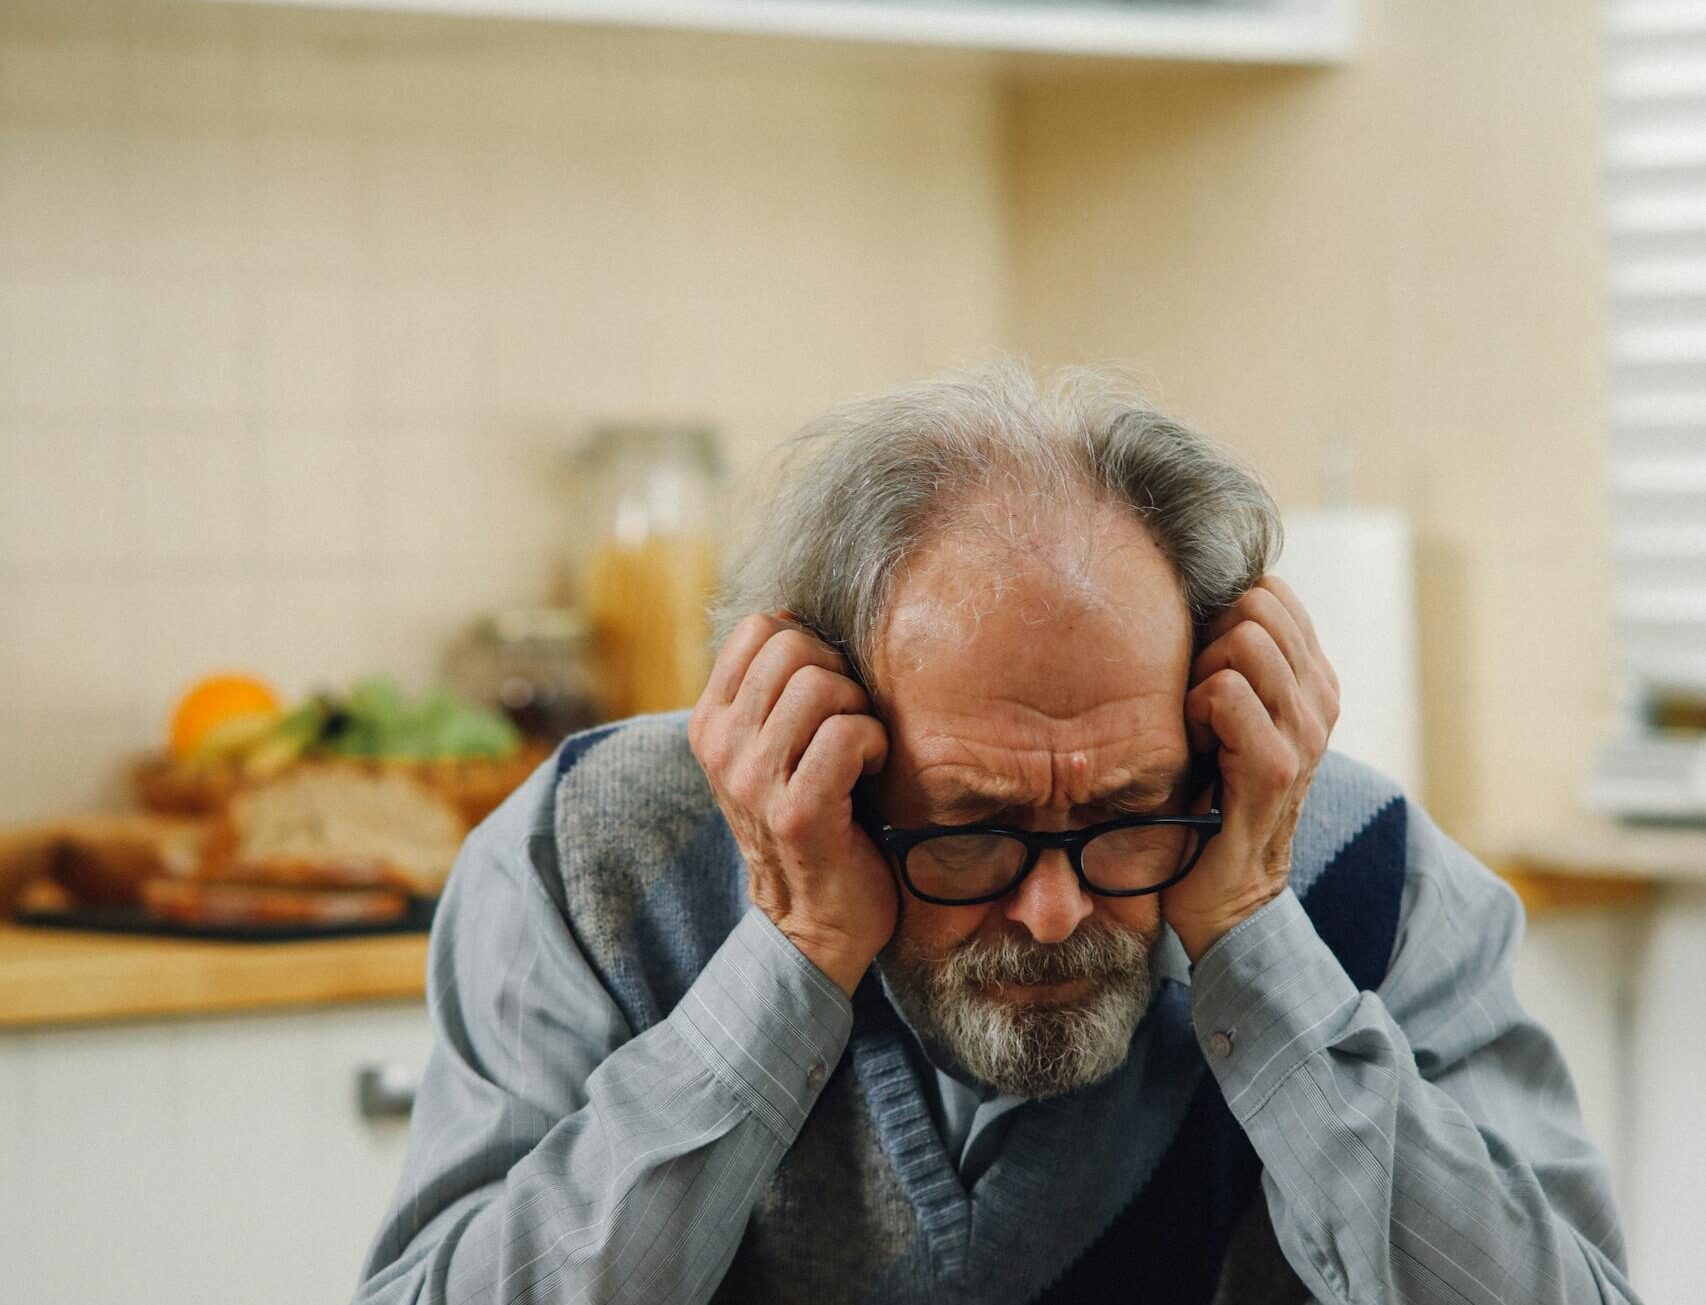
[207, 1160]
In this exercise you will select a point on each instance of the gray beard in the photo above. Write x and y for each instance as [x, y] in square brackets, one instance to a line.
[1027, 1049]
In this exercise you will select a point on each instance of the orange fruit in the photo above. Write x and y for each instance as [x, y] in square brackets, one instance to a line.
[213, 701]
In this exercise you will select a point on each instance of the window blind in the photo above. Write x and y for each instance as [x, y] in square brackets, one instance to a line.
[1655, 170]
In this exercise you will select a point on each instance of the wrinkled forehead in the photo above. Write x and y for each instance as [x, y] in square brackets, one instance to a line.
[1017, 662]
[1048, 611]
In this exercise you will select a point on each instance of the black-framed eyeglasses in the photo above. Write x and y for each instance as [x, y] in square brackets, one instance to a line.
[964, 865]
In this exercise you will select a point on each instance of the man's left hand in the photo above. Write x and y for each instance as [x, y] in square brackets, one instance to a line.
[1265, 695]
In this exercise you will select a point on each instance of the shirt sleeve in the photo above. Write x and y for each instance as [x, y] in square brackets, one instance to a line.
[552, 1155]
[1421, 1143]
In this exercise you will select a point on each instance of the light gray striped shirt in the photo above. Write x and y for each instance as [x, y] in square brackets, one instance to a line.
[1418, 1144]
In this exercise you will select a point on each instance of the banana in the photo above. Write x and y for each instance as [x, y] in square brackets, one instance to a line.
[233, 738]
[285, 742]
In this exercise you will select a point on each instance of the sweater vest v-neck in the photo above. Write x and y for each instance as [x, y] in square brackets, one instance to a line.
[1141, 1188]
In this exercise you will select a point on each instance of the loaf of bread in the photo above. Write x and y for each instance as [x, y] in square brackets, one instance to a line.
[473, 785]
[188, 901]
[335, 826]
[104, 861]
[324, 843]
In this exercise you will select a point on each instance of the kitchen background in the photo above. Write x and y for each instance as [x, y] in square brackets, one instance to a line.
[301, 308]
[300, 311]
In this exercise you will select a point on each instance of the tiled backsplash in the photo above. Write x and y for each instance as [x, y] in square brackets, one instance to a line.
[298, 311]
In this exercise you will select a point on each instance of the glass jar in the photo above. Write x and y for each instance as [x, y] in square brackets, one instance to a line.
[645, 560]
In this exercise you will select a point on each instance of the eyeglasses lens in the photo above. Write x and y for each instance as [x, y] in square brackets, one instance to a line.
[959, 867]
[1140, 857]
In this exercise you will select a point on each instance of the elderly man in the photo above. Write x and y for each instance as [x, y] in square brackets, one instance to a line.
[996, 929]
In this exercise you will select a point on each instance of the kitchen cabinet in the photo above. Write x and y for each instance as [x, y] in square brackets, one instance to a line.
[1614, 963]
[1245, 31]
[208, 1159]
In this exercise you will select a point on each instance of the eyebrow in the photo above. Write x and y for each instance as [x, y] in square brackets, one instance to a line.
[971, 804]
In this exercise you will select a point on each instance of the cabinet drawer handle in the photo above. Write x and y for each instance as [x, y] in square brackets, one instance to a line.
[385, 1091]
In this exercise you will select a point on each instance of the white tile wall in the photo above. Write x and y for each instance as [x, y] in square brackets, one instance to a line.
[68, 492]
[68, 350]
[297, 310]
[322, 474]
[194, 345]
[199, 489]
[72, 646]
[308, 344]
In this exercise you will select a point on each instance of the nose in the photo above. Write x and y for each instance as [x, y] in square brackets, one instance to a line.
[1050, 903]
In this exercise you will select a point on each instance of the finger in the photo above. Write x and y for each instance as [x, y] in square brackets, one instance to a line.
[1264, 607]
[1288, 598]
[1315, 672]
[1227, 705]
[812, 695]
[1223, 624]
[736, 655]
[842, 749]
[771, 668]
[1250, 649]
[1254, 758]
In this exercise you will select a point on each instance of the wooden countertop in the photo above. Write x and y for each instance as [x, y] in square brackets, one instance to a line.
[1608, 849]
[56, 976]
[1594, 861]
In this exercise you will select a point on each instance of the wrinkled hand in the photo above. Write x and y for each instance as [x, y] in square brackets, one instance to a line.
[783, 733]
[1263, 692]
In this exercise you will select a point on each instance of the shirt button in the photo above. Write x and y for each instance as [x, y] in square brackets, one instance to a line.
[1220, 1045]
[814, 1076]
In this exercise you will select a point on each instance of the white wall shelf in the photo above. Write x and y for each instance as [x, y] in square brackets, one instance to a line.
[1232, 31]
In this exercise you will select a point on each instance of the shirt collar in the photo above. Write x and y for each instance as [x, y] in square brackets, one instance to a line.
[1171, 963]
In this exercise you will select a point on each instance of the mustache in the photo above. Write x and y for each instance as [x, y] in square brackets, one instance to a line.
[1092, 951]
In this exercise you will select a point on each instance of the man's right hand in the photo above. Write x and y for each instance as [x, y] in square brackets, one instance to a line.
[783, 733]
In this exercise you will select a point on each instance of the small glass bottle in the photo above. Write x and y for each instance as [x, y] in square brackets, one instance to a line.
[533, 663]
[645, 561]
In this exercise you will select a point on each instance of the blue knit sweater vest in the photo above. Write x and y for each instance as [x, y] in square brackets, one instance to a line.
[1141, 1188]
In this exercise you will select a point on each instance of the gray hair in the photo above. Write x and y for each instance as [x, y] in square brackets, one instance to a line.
[872, 480]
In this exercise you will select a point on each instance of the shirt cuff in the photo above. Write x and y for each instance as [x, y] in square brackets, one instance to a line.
[1265, 998]
[767, 1022]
